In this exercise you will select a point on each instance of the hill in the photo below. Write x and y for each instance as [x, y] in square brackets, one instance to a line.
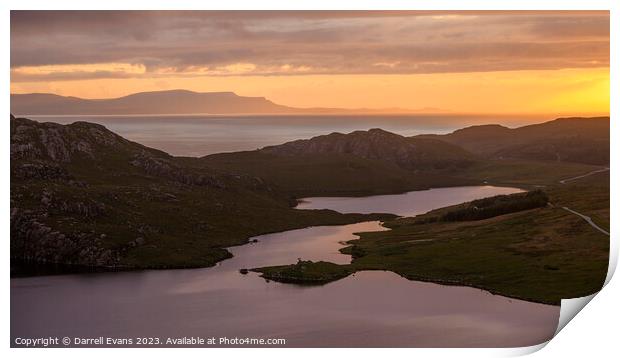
[357, 163]
[579, 140]
[175, 102]
[82, 195]
[377, 144]
[160, 102]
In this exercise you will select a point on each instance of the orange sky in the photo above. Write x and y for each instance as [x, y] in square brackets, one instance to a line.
[553, 92]
[544, 62]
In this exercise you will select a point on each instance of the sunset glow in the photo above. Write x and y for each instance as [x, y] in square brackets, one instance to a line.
[451, 62]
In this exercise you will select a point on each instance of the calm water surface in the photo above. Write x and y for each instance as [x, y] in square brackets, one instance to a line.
[196, 135]
[372, 308]
[407, 204]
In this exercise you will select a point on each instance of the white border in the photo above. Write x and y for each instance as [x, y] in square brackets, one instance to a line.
[593, 331]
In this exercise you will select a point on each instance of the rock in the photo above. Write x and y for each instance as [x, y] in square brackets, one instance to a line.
[244, 271]
[59, 143]
[33, 241]
[48, 171]
[408, 153]
[163, 167]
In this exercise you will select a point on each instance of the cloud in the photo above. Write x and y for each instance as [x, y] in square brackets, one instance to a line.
[225, 43]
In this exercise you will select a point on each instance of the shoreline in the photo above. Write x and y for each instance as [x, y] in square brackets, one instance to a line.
[350, 267]
[56, 269]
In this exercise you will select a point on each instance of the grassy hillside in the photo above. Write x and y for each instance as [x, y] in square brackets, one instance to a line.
[331, 175]
[579, 140]
[377, 144]
[543, 254]
[527, 174]
[378, 162]
[83, 195]
[354, 164]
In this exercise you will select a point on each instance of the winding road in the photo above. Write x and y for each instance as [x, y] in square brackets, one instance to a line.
[585, 217]
[564, 181]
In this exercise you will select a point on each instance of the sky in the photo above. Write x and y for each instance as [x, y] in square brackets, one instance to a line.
[543, 62]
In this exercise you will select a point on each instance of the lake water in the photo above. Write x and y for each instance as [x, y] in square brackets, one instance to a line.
[371, 308]
[196, 135]
[407, 204]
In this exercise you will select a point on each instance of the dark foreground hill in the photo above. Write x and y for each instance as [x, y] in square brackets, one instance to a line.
[377, 144]
[83, 195]
[357, 163]
[579, 140]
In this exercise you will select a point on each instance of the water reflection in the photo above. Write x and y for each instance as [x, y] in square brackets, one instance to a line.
[407, 204]
[372, 308]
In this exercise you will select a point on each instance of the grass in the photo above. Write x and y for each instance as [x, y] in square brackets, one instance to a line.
[155, 220]
[542, 255]
[306, 272]
[315, 175]
[182, 226]
[588, 195]
[523, 173]
[149, 219]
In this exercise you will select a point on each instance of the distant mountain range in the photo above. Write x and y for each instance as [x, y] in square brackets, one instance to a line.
[171, 102]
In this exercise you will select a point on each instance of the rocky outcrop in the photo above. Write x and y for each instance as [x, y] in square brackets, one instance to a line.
[34, 241]
[82, 195]
[60, 143]
[378, 144]
[41, 171]
[165, 168]
[83, 209]
[51, 211]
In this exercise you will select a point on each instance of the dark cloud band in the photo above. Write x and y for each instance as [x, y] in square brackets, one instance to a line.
[286, 43]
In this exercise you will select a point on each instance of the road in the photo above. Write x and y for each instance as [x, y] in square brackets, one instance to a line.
[585, 217]
[564, 181]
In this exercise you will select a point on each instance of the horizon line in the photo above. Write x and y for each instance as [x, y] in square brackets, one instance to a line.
[390, 111]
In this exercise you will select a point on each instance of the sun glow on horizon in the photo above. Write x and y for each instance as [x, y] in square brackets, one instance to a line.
[483, 62]
[567, 91]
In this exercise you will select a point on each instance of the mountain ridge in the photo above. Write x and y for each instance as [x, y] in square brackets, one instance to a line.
[177, 101]
[574, 139]
[157, 102]
[82, 195]
[378, 144]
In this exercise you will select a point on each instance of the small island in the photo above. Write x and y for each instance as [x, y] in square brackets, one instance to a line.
[306, 272]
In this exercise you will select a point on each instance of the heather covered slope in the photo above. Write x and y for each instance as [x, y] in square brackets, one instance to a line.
[377, 144]
[357, 163]
[379, 162]
[83, 195]
[579, 140]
